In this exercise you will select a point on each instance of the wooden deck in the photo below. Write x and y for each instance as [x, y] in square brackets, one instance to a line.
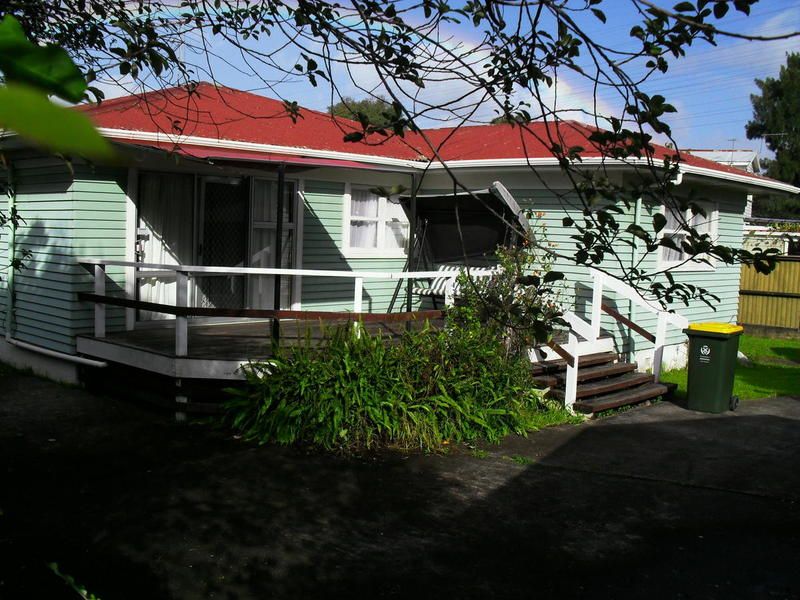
[216, 350]
[236, 341]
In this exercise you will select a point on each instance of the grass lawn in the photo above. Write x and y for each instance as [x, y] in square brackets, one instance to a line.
[775, 370]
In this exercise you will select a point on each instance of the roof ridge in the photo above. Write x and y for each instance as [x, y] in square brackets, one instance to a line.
[130, 99]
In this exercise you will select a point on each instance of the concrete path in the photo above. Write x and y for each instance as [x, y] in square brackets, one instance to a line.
[657, 502]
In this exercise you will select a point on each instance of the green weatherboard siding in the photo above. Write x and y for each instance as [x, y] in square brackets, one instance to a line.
[67, 214]
[323, 249]
[83, 215]
[549, 208]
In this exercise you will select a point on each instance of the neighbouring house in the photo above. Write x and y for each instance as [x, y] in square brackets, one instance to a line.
[216, 184]
[760, 232]
[742, 158]
[781, 234]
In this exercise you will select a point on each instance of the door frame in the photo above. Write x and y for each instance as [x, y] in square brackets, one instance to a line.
[298, 209]
[132, 316]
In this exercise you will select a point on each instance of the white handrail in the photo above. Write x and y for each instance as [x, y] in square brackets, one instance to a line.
[579, 326]
[602, 281]
[630, 293]
[591, 330]
[206, 270]
[181, 275]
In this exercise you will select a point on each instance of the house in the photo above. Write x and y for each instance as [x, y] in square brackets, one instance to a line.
[781, 234]
[741, 158]
[190, 219]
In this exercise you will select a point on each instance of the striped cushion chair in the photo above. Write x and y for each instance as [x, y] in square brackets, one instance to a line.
[437, 286]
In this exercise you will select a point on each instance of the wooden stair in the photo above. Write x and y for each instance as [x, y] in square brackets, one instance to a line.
[604, 382]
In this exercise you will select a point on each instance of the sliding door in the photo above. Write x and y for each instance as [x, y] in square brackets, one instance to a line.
[263, 235]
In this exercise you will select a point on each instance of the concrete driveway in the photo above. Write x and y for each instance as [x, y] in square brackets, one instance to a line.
[657, 502]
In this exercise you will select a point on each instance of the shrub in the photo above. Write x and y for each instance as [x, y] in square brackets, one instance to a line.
[472, 379]
[356, 391]
[520, 303]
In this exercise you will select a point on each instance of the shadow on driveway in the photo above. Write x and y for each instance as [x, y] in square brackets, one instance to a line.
[656, 502]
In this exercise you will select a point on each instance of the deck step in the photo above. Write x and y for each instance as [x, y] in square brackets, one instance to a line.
[623, 398]
[590, 373]
[606, 386]
[546, 381]
[550, 367]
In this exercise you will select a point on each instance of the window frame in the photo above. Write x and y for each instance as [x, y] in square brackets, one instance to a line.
[380, 251]
[683, 266]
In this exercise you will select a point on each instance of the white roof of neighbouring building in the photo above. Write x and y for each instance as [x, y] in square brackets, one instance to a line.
[746, 160]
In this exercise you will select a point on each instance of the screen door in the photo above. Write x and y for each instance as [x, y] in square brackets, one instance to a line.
[223, 241]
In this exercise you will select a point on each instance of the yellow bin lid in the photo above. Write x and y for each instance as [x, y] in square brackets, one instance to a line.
[728, 328]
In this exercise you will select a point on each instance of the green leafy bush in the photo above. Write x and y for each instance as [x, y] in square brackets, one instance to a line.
[356, 391]
[520, 304]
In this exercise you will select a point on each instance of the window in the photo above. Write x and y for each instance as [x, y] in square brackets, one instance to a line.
[703, 224]
[375, 226]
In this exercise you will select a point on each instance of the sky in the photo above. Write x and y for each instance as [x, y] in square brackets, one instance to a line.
[710, 87]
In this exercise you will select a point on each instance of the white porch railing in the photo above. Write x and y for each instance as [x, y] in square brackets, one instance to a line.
[182, 274]
[590, 331]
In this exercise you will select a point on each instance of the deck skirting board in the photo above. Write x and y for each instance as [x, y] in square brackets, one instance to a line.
[171, 366]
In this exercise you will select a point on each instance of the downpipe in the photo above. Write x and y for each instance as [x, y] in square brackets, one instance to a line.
[80, 360]
[11, 191]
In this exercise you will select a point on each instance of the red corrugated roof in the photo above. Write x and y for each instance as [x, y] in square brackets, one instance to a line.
[223, 113]
[485, 142]
[227, 114]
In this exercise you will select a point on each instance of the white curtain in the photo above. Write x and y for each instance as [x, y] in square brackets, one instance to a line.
[166, 203]
[363, 230]
[673, 229]
[396, 226]
[263, 235]
[262, 286]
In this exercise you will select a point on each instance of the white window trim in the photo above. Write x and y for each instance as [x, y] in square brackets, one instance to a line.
[380, 251]
[712, 214]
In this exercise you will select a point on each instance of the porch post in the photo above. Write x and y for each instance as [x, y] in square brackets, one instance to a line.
[658, 346]
[181, 322]
[597, 302]
[412, 245]
[571, 383]
[276, 302]
[100, 308]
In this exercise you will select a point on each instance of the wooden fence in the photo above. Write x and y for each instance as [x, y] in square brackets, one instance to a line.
[771, 300]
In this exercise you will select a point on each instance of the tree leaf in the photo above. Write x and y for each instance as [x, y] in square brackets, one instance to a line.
[551, 276]
[684, 7]
[30, 114]
[659, 222]
[353, 136]
[720, 9]
[48, 68]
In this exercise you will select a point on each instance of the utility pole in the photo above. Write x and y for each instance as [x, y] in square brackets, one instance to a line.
[733, 144]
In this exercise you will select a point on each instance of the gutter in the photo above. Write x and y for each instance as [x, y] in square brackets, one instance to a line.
[125, 135]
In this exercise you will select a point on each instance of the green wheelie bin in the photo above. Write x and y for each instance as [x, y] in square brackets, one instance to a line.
[713, 348]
